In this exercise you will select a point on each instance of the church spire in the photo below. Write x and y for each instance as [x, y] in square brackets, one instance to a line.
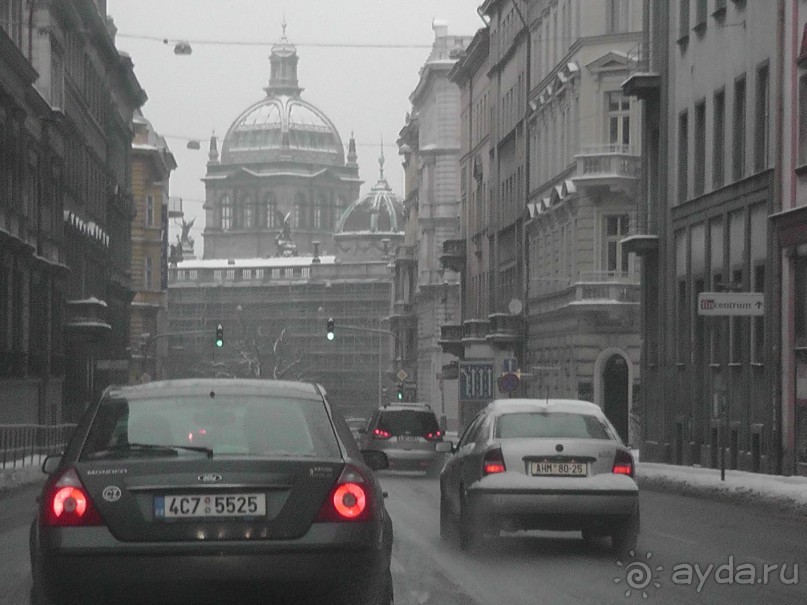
[213, 153]
[283, 67]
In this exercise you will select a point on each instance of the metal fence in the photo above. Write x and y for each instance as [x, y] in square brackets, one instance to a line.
[26, 444]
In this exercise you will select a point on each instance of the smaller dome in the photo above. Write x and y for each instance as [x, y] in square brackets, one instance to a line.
[379, 211]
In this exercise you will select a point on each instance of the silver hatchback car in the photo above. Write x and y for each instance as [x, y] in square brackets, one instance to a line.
[528, 464]
[403, 436]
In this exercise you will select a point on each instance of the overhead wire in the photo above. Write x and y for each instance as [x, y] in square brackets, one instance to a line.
[201, 42]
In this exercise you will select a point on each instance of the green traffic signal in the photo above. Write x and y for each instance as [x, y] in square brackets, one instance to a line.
[219, 335]
[330, 334]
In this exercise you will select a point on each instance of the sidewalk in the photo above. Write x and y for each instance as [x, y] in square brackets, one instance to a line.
[27, 474]
[787, 494]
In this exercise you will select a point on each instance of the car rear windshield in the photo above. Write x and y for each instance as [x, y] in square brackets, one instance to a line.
[550, 425]
[412, 422]
[229, 424]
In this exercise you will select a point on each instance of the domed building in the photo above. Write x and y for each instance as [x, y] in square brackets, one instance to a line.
[281, 180]
[372, 226]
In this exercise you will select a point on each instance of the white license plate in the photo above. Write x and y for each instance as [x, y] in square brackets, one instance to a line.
[408, 438]
[209, 505]
[559, 469]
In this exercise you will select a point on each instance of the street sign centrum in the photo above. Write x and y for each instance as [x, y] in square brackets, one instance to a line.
[731, 303]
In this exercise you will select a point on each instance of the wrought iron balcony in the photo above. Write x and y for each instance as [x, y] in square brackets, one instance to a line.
[451, 339]
[475, 331]
[505, 329]
[615, 167]
[643, 235]
[453, 256]
[643, 81]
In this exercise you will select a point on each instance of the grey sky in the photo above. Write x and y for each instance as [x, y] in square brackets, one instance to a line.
[364, 90]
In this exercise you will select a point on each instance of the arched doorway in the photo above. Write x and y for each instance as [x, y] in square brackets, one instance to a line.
[615, 393]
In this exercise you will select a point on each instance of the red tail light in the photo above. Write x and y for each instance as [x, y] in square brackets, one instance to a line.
[350, 499]
[66, 503]
[381, 434]
[623, 464]
[493, 462]
[434, 436]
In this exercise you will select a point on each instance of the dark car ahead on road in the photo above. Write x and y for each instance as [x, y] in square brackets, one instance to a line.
[403, 436]
[214, 491]
[536, 464]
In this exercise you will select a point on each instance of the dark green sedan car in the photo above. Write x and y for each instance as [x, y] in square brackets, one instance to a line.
[211, 491]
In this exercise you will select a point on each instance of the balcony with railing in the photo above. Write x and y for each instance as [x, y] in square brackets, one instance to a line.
[643, 234]
[453, 256]
[475, 331]
[506, 330]
[451, 336]
[612, 166]
[598, 289]
[643, 81]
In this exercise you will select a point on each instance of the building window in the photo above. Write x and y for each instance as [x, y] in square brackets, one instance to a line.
[616, 229]
[758, 322]
[700, 14]
[683, 20]
[682, 331]
[719, 143]
[761, 119]
[148, 274]
[738, 128]
[700, 148]
[150, 211]
[802, 120]
[57, 81]
[618, 119]
[270, 207]
[11, 19]
[249, 214]
[683, 156]
[226, 213]
[617, 16]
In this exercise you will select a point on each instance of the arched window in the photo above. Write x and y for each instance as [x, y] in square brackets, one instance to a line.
[319, 211]
[249, 214]
[270, 209]
[300, 206]
[226, 212]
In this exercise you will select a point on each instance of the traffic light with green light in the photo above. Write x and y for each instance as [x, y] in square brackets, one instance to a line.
[330, 334]
[219, 335]
[399, 393]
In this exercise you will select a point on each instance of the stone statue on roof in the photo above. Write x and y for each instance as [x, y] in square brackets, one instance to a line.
[186, 240]
[286, 247]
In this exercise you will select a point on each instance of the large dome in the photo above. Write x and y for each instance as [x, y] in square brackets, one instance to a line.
[282, 123]
[378, 211]
[282, 126]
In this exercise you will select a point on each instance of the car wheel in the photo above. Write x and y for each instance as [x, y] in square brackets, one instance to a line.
[447, 531]
[468, 532]
[625, 536]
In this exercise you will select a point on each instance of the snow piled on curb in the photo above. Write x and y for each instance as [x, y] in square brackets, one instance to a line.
[787, 494]
[29, 474]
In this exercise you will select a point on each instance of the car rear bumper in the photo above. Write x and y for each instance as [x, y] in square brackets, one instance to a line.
[553, 509]
[210, 572]
[403, 458]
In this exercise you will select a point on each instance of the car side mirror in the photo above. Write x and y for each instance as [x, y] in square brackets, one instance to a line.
[444, 447]
[375, 460]
[51, 463]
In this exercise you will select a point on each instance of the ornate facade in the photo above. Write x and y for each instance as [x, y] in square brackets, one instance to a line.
[282, 162]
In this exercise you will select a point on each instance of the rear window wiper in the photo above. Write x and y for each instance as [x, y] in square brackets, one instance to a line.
[151, 447]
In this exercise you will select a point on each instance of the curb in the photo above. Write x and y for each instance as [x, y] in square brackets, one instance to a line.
[719, 493]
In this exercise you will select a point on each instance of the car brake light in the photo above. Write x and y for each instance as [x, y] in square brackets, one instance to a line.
[348, 500]
[434, 436]
[381, 434]
[67, 503]
[623, 464]
[493, 462]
